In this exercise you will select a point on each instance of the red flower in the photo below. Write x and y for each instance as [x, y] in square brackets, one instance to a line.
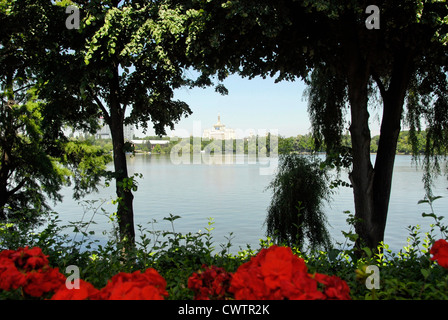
[29, 269]
[85, 291]
[135, 286]
[279, 264]
[246, 285]
[277, 274]
[439, 251]
[210, 284]
[43, 281]
[335, 288]
[301, 287]
[27, 259]
[10, 277]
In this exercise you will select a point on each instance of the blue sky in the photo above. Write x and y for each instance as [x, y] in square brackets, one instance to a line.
[256, 104]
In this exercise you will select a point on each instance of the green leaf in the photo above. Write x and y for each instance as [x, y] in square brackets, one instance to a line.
[429, 215]
[425, 273]
[368, 251]
[333, 254]
[171, 218]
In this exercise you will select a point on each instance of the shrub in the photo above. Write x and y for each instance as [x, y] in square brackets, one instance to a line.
[295, 214]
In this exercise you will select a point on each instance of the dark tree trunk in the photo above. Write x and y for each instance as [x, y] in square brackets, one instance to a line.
[125, 210]
[362, 172]
[372, 185]
[2, 204]
[393, 101]
[6, 145]
[4, 171]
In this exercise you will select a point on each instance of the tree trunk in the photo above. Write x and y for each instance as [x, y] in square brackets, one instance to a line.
[2, 204]
[4, 171]
[362, 173]
[125, 210]
[393, 101]
[6, 144]
[384, 165]
[372, 186]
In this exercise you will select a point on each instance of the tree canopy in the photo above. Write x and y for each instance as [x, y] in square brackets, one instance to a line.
[36, 158]
[332, 45]
[124, 59]
[123, 64]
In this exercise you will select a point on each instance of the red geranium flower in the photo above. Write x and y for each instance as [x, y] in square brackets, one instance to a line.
[85, 291]
[43, 281]
[29, 269]
[440, 252]
[135, 286]
[335, 288]
[10, 277]
[277, 274]
[27, 259]
[212, 283]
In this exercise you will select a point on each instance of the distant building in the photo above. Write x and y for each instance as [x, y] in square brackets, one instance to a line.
[104, 132]
[219, 132]
[128, 132]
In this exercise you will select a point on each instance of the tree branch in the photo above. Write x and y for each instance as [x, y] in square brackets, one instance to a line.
[100, 104]
[24, 87]
[17, 188]
[380, 84]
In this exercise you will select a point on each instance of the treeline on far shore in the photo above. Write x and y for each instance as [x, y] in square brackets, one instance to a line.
[298, 144]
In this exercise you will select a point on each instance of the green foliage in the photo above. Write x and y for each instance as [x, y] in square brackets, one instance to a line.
[175, 255]
[131, 56]
[157, 149]
[299, 144]
[36, 159]
[327, 102]
[124, 64]
[406, 274]
[328, 44]
[295, 215]
[34, 166]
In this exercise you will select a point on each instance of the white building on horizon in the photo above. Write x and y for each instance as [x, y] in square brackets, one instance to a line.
[219, 132]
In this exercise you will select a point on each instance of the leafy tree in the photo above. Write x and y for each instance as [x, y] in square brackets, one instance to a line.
[36, 159]
[285, 145]
[157, 149]
[344, 61]
[299, 190]
[409, 46]
[123, 63]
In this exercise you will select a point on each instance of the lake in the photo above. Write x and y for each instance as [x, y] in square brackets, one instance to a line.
[234, 194]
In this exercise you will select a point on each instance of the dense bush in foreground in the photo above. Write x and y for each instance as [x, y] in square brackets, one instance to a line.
[170, 265]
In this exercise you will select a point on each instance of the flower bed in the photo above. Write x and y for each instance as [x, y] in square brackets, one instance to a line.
[274, 273]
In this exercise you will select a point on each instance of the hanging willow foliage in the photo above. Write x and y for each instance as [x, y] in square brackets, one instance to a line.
[427, 112]
[295, 215]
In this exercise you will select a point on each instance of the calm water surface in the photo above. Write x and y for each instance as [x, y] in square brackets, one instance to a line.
[235, 196]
